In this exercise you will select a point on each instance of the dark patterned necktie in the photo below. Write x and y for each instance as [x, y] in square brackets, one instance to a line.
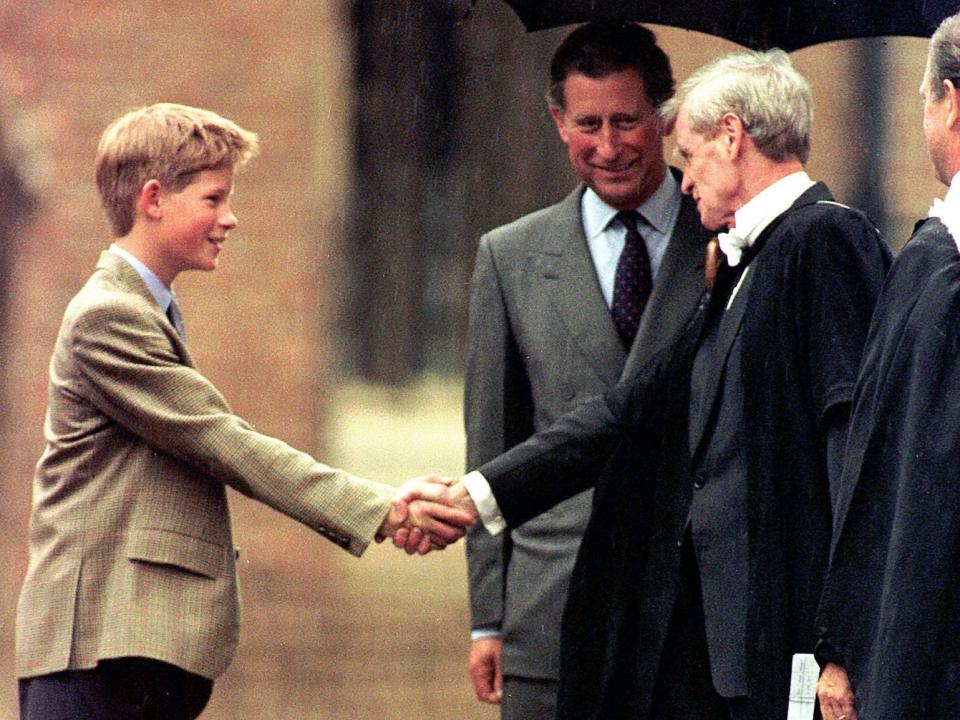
[176, 318]
[632, 282]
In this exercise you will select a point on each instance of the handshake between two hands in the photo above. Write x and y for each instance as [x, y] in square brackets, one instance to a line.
[428, 513]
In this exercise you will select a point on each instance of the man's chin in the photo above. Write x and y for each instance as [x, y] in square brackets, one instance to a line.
[714, 226]
[621, 197]
[712, 223]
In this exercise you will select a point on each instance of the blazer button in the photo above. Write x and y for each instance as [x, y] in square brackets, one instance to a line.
[699, 481]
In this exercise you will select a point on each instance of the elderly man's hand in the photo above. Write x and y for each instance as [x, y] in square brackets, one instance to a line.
[835, 694]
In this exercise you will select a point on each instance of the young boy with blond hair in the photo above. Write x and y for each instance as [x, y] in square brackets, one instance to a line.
[129, 608]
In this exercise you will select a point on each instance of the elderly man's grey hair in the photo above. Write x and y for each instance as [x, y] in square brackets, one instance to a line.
[763, 89]
[943, 58]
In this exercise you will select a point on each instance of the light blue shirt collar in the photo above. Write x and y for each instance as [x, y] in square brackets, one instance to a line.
[660, 209]
[605, 238]
[161, 293]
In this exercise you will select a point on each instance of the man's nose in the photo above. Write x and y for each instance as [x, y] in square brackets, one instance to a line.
[608, 142]
[686, 184]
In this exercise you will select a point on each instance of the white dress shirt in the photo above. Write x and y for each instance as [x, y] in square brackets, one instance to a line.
[762, 209]
[606, 237]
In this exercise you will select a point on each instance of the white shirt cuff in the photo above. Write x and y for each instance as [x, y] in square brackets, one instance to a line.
[482, 496]
[480, 634]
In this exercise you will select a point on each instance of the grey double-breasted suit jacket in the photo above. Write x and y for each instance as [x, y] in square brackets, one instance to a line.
[542, 340]
[131, 551]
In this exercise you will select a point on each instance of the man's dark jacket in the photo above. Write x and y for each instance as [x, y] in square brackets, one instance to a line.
[817, 271]
[891, 602]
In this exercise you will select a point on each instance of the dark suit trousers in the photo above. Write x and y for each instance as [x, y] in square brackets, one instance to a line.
[121, 689]
[684, 688]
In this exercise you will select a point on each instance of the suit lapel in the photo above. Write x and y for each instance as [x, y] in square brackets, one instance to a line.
[678, 287]
[730, 323]
[570, 283]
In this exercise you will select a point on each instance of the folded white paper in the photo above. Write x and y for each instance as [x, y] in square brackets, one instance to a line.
[803, 687]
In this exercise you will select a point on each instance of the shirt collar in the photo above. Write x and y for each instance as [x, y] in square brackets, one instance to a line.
[761, 210]
[161, 293]
[948, 209]
[658, 210]
[768, 204]
[953, 192]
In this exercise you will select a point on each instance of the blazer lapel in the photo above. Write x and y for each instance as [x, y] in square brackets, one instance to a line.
[570, 283]
[128, 278]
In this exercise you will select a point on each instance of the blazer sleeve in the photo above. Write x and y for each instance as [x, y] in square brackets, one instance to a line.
[131, 373]
[498, 413]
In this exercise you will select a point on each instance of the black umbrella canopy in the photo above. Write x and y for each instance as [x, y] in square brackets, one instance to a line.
[759, 24]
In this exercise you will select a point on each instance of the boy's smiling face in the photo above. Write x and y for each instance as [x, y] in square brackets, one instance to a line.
[194, 222]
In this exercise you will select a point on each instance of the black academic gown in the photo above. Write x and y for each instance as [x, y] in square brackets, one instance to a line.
[891, 603]
[816, 278]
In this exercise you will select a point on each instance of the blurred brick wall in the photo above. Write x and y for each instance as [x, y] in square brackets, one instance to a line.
[256, 325]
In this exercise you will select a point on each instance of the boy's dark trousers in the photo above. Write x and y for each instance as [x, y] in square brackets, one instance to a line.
[121, 689]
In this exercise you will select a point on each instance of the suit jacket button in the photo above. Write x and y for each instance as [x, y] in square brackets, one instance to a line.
[699, 481]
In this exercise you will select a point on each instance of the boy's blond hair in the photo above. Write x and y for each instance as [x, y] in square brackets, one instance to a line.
[167, 142]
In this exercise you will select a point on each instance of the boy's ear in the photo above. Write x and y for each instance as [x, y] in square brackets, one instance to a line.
[148, 201]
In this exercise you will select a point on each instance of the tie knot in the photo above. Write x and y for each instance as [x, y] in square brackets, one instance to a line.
[631, 221]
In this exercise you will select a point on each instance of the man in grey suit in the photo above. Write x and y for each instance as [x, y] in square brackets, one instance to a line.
[566, 302]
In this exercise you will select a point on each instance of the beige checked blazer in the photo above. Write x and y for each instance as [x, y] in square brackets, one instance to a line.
[130, 542]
